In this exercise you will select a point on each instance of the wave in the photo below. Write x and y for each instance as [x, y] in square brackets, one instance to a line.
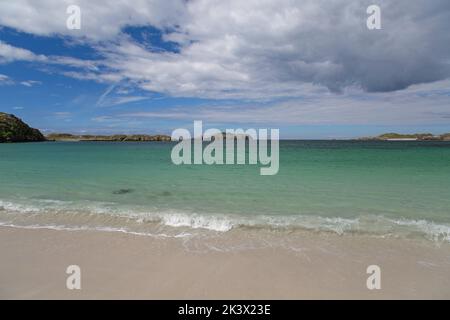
[87, 228]
[104, 216]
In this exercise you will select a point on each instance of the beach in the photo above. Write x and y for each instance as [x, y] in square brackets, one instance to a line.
[258, 150]
[225, 150]
[126, 266]
[142, 227]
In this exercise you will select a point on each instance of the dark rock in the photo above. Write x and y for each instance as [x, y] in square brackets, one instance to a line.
[123, 191]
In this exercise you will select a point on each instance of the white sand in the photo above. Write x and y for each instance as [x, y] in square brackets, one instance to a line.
[117, 265]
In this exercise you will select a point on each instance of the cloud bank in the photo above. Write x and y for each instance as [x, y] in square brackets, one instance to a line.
[255, 49]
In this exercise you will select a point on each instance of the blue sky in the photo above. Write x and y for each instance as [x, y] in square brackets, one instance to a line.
[153, 66]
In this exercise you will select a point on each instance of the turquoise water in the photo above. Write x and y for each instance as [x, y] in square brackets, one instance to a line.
[382, 188]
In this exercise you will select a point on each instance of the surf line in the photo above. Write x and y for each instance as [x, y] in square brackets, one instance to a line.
[258, 142]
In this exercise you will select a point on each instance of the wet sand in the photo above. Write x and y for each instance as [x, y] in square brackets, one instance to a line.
[124, 266]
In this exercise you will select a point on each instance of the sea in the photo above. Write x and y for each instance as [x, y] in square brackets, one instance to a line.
[396, 189]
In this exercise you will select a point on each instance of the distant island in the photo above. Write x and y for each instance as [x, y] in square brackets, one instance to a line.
[13, 129]
[409, 137]
[112, 138]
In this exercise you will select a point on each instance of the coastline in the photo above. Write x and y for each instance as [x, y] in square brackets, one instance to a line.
[127, 266]
[140, 227]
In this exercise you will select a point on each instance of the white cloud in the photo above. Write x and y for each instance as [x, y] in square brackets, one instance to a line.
[116, 95]
[101, 19]
[413, 106]
[30, 83]
[248, 49]
[121, 100]
[10, 53]
[5, 80]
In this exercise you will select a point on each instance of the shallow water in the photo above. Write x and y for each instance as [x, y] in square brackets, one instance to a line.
[381, 188]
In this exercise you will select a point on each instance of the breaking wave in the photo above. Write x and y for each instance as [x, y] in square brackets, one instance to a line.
[88, 215]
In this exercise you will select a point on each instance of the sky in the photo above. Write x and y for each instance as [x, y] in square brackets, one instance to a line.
[311, 68]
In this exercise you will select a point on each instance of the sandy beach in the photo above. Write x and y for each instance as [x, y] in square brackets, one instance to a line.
[119, 265]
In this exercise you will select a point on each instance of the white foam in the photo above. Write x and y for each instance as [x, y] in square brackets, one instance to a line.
[435, 232]
[104, 214]
[86, 228]
[220, 224]
[15, 207]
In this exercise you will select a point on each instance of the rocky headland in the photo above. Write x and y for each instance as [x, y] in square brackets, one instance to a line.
[13, 129]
